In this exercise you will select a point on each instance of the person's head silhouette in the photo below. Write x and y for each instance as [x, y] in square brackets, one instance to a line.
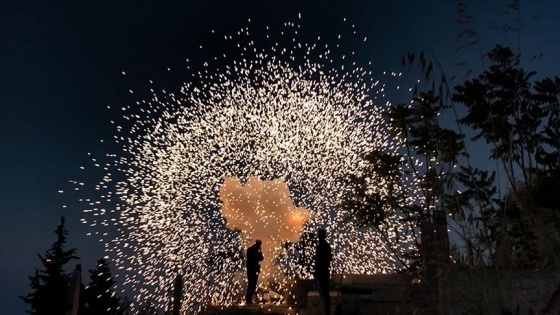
[258, 242]
[322, 234]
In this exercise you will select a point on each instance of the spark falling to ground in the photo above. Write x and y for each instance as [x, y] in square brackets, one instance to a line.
[270, 132]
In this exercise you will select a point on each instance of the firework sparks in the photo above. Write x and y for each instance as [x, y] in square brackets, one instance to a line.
[262, 141]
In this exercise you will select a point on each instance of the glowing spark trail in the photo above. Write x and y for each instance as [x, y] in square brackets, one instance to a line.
[293, 121]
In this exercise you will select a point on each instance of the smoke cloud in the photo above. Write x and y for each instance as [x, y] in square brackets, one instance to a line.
[262, 209]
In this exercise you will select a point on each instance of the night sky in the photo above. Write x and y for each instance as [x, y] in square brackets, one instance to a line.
[62, 63]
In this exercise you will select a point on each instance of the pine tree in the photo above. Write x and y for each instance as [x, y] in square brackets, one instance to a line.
[99, 295]
[49, 286]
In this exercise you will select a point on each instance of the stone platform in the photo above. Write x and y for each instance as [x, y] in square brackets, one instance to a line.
[359, 295]
[254, 309]
[366, 295]
[466, 291]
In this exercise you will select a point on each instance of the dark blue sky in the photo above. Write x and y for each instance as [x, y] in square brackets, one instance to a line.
[61, 66]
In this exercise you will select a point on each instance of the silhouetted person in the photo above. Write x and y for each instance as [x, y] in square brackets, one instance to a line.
[323, 257]
[254, 258]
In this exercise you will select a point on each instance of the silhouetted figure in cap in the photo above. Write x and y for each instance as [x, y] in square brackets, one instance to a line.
[254, 258]
[323, 257]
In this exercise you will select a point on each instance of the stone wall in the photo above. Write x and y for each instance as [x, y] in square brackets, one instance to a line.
[366, 294]
[465, 291]
[485, 291]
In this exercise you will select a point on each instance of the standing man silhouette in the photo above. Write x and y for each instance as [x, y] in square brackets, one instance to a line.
[254, 258]
[323, 257]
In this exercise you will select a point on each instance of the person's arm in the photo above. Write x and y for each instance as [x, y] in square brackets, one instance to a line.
[261, 257]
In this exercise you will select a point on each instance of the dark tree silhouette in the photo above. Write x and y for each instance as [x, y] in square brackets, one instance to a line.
[99, 296]
[380, 188]
[520, 118]
[426, 140]
[505, 112]
[507, 109]
[49, 286]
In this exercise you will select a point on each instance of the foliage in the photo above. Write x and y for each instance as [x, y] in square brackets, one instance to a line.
[505, 112]
[99, 297]
[49, 286]
[431, 154]
[435, 148]
[519, 119]
[477, 205]
[376, 191]
[507, 109]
